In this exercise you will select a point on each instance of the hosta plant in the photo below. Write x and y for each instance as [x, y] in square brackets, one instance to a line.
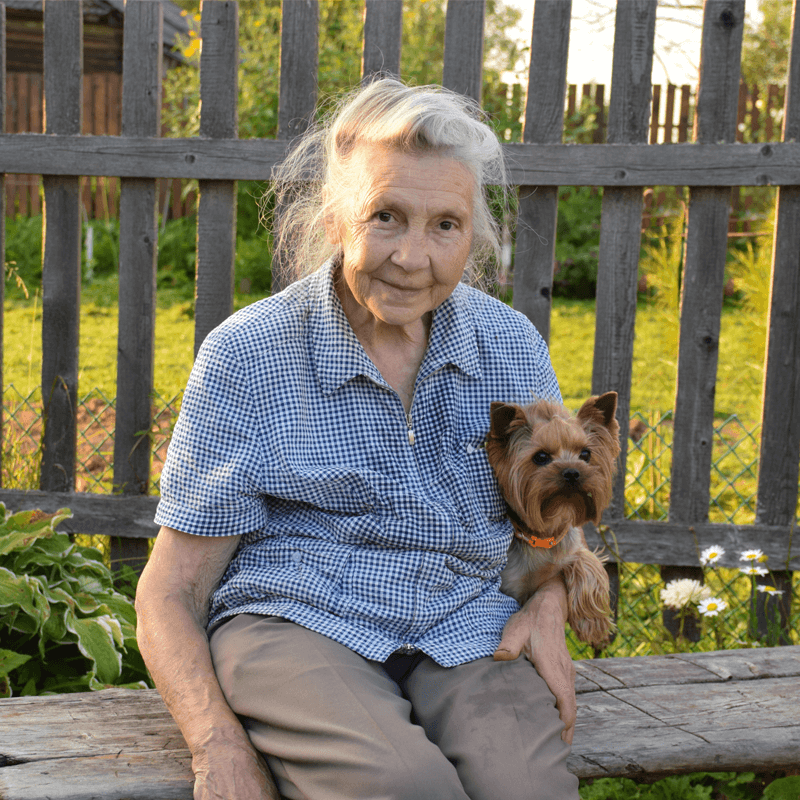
[63, 627]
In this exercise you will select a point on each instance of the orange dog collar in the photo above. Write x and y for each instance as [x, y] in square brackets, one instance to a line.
[536, 541]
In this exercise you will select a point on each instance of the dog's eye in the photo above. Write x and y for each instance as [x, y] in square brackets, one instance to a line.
[541, 458]
[585, 455]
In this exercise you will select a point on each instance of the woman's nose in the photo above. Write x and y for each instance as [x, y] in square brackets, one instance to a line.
[411, 252]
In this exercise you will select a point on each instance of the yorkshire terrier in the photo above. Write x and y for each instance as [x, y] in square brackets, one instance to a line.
[555, 471]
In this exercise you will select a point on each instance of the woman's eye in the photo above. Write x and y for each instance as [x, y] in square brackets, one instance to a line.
[446, 225]
[384, 216]
[585, 455]
[541, 458]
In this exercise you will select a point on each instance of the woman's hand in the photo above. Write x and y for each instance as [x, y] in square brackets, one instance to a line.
[537, 630]
[236, 772]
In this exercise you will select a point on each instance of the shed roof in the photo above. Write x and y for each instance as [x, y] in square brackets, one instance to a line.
[103, 24]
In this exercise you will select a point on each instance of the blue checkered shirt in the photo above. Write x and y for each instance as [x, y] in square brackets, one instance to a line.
[289, 435]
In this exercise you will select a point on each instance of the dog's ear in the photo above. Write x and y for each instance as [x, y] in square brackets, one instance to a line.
[501, 415]
[599, 410]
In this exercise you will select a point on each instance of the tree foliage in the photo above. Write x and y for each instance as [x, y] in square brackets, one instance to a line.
[765, 50]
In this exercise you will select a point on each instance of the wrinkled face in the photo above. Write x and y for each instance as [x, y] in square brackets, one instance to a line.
[407, 233]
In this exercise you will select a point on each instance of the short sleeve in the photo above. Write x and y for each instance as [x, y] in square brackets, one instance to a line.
[212, 478]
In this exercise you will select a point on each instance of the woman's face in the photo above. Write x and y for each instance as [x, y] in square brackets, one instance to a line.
[407, 233]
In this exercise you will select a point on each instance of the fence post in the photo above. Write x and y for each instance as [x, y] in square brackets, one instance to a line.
[780, 426]
[463, 48]
[61, 263]
[297, 98]
[534, 255]
[703, 279]
[216, 210]
[383, 35]
[138, 247]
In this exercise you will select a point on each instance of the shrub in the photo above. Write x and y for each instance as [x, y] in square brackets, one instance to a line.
[69, 629]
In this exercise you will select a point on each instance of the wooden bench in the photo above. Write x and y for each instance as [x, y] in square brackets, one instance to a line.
[641, 717]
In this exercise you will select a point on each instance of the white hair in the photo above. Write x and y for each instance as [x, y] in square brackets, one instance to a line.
[314, 182]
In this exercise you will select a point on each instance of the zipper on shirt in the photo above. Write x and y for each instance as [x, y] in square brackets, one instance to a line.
[411, 436]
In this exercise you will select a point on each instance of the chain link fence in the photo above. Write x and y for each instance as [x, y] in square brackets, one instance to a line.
[734, 479]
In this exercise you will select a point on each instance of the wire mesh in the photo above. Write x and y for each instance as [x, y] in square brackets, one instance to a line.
[734, 480]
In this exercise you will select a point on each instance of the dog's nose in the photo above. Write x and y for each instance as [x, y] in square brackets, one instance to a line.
[570, 475]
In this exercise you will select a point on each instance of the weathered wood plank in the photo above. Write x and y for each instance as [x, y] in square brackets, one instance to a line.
[138, 236]
[537, 214]
[773, 164]
[634, 541]
[641, 717]
[216, 212]
[128, 516]
[383, 34]
[463, 47]
[298, 86]
[61, 262]
[298, 89]
[621, 221]
[702, 284]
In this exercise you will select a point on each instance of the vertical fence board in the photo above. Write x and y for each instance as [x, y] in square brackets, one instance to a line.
[298, 85]
[621, 220]
[138, 245]
[298, 89]
[780, 426]
[61, 266]
[383, 35]
[544, 121]
[463, 47]
[703, 279]
[216, 212]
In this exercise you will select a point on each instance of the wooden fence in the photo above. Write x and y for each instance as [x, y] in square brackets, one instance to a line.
[671, 121]
[625, 164]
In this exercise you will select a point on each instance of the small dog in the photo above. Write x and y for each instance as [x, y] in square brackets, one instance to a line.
[555, 472]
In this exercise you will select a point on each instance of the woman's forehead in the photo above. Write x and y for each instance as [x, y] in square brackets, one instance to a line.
[429, 177]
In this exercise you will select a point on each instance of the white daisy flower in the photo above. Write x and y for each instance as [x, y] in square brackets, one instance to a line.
[753, 570]
[711, 555]
[753, 555]
[770, 590]
[711, 606]
[684, 592]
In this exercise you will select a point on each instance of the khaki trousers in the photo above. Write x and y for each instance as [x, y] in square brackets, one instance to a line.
[334, 725]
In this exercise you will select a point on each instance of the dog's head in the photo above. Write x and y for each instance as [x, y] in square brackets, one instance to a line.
[555, 470]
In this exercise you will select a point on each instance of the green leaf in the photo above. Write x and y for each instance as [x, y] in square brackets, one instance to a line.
[23, 595]
[783, 789]
[18, 531]
[97, 637]
[9, 660]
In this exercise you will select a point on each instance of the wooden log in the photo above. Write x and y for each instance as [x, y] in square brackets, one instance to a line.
[641, 717]
[383, 35]
[534, 257]
[773, 164]
[61, 262]
[216, 212]
[621, 222]
[138, 252]
[463, 48]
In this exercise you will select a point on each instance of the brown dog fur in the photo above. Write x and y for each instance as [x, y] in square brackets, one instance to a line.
[555, 471]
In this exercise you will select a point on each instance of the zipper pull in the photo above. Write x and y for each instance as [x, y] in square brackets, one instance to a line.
[411, 437]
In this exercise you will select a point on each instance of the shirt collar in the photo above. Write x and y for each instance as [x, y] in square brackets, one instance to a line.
[339, 356]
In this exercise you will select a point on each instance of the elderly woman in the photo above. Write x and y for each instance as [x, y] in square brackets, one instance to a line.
[325, 587]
